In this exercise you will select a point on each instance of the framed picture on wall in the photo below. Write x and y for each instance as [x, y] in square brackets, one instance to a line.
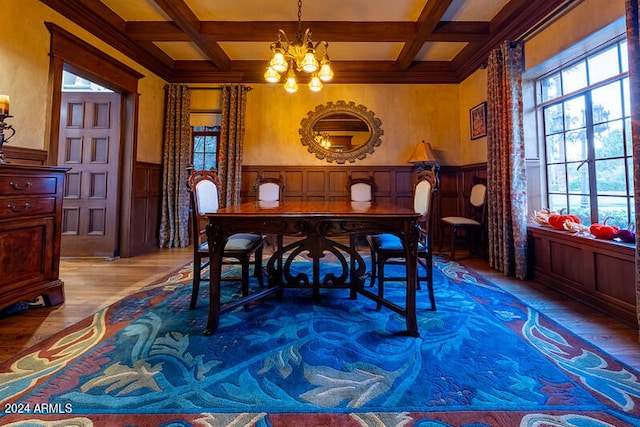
[478, 117]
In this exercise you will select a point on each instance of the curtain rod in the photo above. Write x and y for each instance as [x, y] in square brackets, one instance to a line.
[205, 111]
[247, 88]
[549, 19]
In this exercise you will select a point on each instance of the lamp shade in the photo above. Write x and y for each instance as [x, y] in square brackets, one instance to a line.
[422, 154]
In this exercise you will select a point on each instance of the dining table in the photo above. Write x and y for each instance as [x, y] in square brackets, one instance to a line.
[315, 228]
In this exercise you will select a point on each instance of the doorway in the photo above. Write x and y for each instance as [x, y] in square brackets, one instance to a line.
[71, 54]
[89, 145]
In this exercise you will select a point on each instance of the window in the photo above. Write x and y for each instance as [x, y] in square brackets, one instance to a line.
[205, 147]
[585, 113]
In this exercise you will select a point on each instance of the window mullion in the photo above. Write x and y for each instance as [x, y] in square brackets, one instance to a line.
[591, 159]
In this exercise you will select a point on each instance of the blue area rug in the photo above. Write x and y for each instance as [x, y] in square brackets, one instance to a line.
[483, 358]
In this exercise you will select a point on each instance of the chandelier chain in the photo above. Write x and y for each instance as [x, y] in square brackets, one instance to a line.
[299, 33]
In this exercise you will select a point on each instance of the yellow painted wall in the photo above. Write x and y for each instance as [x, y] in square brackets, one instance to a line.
[473, 91]
[409, 114]
[575, 25]
[24, 56]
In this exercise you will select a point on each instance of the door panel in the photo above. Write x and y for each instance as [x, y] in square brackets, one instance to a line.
[90, 147]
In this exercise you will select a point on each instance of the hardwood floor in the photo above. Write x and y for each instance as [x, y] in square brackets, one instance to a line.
[93, 283]
[90, 284]
[605, 332]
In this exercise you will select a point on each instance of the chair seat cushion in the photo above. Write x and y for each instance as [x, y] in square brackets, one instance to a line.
[237, 242]
[389, 242]
[242, 241]
[460, 220]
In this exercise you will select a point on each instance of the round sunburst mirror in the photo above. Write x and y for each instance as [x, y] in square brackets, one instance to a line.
[340, 132]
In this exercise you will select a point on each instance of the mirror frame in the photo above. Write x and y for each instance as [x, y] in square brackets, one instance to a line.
[322, 111]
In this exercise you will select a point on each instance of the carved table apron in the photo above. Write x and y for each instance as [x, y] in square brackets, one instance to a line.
[315, 223]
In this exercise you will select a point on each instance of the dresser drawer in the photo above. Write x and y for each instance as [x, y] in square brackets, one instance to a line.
[27, 185]
[26, 206]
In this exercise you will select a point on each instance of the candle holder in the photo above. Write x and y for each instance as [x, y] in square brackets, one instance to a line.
[5, 127]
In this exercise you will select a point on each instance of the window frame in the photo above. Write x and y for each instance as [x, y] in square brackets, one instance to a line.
[206, 132]
[591, 162]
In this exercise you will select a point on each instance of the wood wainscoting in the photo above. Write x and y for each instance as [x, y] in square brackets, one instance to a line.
[145, 208]
[600, 273]
[394, 184]
[452, 198]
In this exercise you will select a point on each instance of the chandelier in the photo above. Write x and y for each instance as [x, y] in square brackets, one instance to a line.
[299, 56]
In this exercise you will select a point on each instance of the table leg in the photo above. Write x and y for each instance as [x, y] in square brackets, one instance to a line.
[354, 279]
[216, 248]
[412, 279]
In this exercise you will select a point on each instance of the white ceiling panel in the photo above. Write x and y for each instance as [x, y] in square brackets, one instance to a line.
[438, 51]
[137, 10]
[364, 51]
[246, 51]
[181, 51]
[312, 10]
[475, 10]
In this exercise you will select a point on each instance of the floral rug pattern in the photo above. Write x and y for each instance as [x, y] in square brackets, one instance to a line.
[483, 358]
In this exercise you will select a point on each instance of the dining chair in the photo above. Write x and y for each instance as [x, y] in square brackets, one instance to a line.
[473, 224]
[388, 249]
[361, 189]
[239, 248]
[270, 190]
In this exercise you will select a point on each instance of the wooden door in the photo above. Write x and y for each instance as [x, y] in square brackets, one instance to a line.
[90, 147]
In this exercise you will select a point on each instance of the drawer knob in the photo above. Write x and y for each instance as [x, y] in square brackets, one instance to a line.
[17, 186]
[14, 208]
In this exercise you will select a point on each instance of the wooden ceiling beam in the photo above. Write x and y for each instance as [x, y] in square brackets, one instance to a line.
[347, 72]
[265, 31]
[188, 22]
[155, 31]
[102, 22]
[459, 31]
[427, 22]
[341, 31]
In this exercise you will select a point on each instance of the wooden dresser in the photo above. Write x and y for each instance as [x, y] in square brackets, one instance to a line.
[30, 216]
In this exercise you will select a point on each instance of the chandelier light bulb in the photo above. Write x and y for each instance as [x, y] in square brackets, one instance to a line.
[278, 61]
[291, 85]
[315, 84]
[309, 63]
[326, 73]
[271, 75]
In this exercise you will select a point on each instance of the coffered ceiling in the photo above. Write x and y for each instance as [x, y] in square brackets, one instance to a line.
[370, 41]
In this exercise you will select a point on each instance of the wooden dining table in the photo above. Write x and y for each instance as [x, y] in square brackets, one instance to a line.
[316, 227]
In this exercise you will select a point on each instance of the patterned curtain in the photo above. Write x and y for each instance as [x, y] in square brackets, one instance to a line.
[234, 99]
[633, 43]
[506, 178]
[176, 158]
